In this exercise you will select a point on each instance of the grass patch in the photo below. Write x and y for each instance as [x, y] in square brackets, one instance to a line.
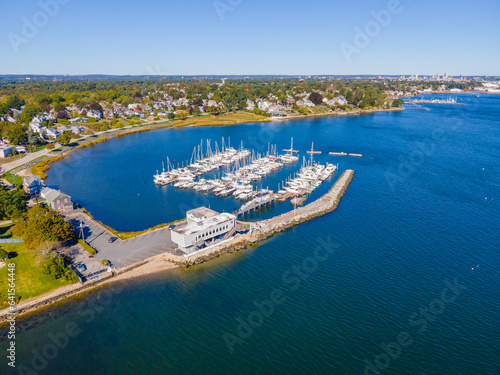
[87, 247]
[13, 179]
[42, 167]
[221, 120]
[31, 280]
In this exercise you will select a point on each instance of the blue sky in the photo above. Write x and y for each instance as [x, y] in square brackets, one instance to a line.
[250, 37]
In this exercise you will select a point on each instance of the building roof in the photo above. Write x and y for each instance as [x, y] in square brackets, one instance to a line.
[201, 213]
[187, 228]
[52, 194]
[28, 180]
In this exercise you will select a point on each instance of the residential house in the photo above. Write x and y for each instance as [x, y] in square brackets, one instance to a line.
[108, 113]
[50, 133]
[15, 112]
[250, 105]
[75, 129]
[95, 114]
[57, 201]
[32, 185]
[6, 150]
[35, 125]
[78, 120]
[264, 105]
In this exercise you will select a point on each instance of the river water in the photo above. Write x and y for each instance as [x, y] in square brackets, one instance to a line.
[401, 279]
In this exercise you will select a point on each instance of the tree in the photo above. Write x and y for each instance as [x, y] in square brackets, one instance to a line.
[62, 115]
[16, 134]
[398, 102]
[14, 102]
[64, 138]
[95, 107]
[171, 116]
[56, 267]
[30, 111]
[45, 250]
[12, 203]
[315, 98]
[3, 254]
[43, 224]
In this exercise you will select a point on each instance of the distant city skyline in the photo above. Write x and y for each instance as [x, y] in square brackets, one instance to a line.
[236, 37]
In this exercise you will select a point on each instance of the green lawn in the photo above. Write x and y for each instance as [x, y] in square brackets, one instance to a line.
[14, 180]
[31, 281]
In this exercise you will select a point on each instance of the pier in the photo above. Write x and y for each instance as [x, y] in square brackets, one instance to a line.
[264, 229]
[271, 199]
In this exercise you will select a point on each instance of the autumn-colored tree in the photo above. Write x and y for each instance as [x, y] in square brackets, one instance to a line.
[43, 224]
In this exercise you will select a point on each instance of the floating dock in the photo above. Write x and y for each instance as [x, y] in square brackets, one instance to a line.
[356, 155]
[290, 150]
[338, 153]
[314, 152]
[268, 201]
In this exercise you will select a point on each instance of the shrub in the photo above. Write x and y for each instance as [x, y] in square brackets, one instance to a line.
[50, 146]
[105, 262]
[3, 254]
[87, 247]
[56, 268]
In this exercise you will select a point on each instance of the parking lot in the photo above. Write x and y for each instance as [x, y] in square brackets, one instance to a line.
[120, 253]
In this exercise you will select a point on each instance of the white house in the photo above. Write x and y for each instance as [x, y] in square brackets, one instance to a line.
[50, 133]
[5, 150]
[35, 125]
[250, 105]
[95, 114]
[264, 105]
[78, 119]
[204, 227]
[75, 129]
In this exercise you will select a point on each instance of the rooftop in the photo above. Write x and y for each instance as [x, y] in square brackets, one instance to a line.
[195, 227]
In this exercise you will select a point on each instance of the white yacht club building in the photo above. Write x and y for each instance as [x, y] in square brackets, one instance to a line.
[203, 227]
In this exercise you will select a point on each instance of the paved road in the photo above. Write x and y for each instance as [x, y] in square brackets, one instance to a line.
[121, 253]
[27, 159]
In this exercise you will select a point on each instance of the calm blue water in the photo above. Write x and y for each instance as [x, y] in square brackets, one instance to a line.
[414, 216]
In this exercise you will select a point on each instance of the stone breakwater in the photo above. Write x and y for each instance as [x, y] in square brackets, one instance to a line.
[267, 228]
[321, 206]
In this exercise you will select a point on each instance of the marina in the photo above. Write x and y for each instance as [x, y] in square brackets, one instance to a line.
[448, 100]
[240, 169]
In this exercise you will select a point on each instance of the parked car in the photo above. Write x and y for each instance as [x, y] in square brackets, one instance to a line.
[112, 239]
[171, 226]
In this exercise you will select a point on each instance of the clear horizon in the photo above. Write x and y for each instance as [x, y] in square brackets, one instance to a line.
[234, 37]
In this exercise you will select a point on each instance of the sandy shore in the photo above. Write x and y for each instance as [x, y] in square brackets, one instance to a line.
[150, 266]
